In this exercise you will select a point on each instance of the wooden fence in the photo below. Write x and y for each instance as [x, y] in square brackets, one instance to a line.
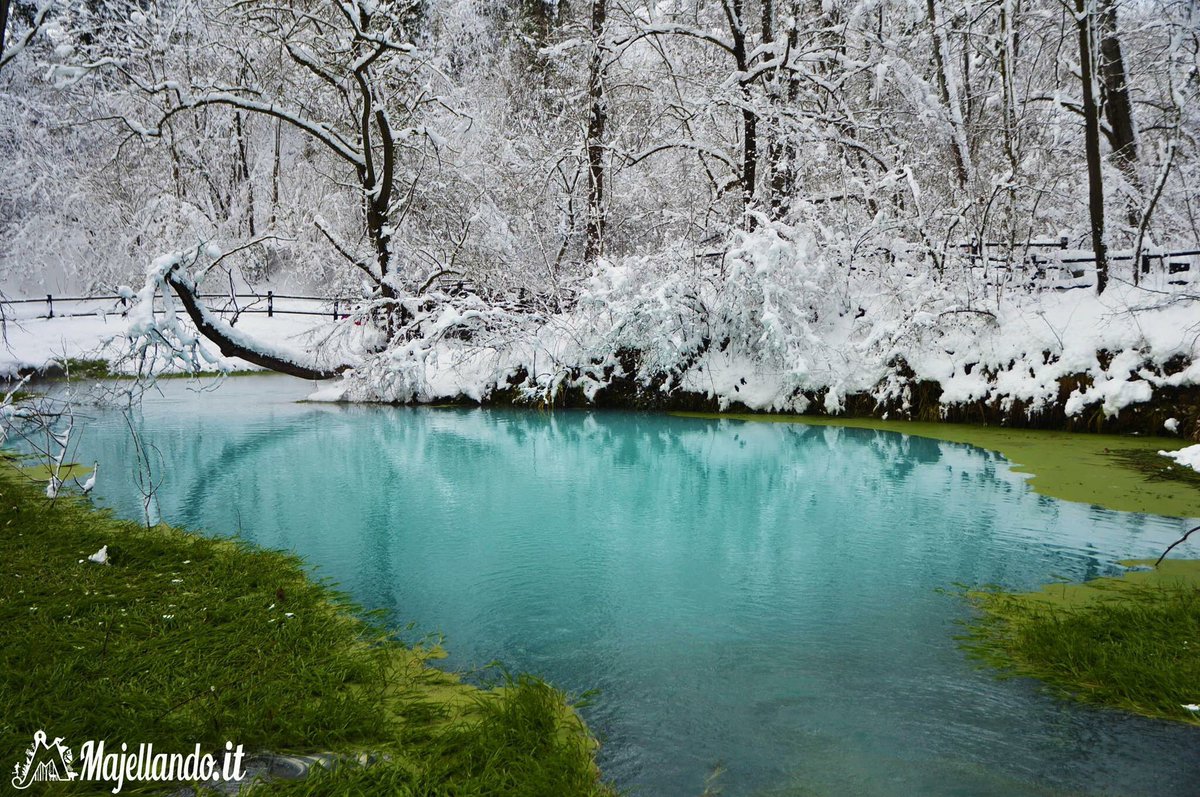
[68, 306]
[1054, 264]
[1179, 268]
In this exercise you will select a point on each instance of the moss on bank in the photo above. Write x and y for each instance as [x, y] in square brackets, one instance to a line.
[1130, 642]
[1113, 471]
[183, 639]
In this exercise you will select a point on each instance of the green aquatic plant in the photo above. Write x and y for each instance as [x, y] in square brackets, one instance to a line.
[1130, 642]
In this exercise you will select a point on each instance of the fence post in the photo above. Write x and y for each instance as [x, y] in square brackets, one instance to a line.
[49, 306]
[270, 304]
[1145, 264]
[1062, 242]
[335, 309]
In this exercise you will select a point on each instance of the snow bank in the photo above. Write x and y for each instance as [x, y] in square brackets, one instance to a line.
[1188, 457]
[778, 322]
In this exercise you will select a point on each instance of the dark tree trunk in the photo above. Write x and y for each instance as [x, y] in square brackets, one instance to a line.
[597, 121]
[1091, 122]
[785, 87]
[1118, 109]
[737, 30]
[943, 79]
[3, 25]
[275, 176]
[749, 157]
[243, 170]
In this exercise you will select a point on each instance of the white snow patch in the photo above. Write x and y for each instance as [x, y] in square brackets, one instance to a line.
[333, 393]
[1188, 457]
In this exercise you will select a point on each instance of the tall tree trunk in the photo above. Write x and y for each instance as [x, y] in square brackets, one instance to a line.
[1118, 109]
[734, 14]
[243, 170]
[275, 176]
[782, 154]
[597, 121]
[949, 95]
[1008, 66]
[749, 157]
[784, 89]
[1091, 127]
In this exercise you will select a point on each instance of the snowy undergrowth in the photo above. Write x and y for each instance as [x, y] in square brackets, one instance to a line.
[778, 323]
[774, 324]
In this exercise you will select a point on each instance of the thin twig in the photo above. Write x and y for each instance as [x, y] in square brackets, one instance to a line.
[1172, 545]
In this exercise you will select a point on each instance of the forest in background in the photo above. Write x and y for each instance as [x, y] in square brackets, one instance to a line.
[701, 195]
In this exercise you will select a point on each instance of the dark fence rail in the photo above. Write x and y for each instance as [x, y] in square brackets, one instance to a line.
[1053, 264]
[335, 307]
[256, 303]
[1177, 266]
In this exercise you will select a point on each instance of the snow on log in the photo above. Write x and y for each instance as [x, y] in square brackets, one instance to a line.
[146, 328]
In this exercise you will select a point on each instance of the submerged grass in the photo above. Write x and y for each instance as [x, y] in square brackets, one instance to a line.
[1131, 642]
[184, 639]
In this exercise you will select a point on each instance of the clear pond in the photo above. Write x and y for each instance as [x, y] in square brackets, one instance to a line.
[760, 600]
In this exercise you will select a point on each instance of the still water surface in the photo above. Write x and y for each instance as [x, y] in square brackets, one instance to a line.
[758, 599]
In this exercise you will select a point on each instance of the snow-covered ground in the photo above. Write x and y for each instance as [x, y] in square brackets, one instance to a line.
[774, 325]
[1188, 457]
[37, 342]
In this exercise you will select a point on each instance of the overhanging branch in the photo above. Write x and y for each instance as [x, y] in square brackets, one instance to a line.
[234, 344]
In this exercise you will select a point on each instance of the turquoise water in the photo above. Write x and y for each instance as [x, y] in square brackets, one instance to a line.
[756, 599]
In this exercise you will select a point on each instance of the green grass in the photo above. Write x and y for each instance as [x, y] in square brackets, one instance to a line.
[516, 746]
[1130, 643]
[79, 368]
[185, 639]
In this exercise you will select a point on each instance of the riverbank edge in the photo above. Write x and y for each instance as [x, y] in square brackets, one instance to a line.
[1117, 472]
[909, 398]
[418, 701]
[1077, 462]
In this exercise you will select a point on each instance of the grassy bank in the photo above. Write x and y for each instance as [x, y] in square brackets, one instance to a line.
[1120, 472]
[1130, 642]
[183, 639]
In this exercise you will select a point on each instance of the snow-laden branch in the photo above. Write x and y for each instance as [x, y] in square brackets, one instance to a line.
[667, 29]
[149, 331]
[333, 140]
[8, 53]
[683, 143]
